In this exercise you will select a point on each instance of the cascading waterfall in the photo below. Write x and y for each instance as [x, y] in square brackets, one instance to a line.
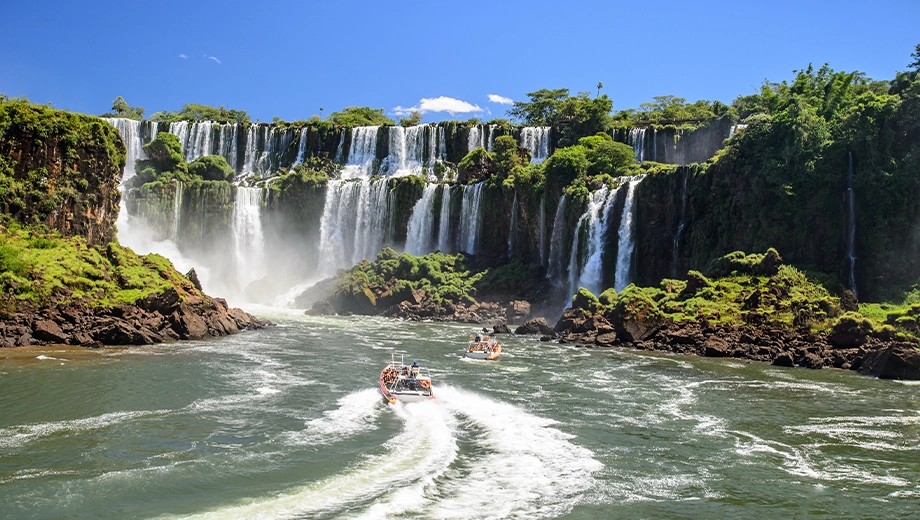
[130, 131]
[554, 271]
[362, 155]
[851, 224]
[543, 230]
[475, 139]
[512, 230]
[255, 142]
[248, 243]
[491, 139]
[408, 147]
[655, 144]
[625, 241]
[420, 235]
[199, 140]
[177, 211]
[444, 226]
[228, 146]
[354, 225]
[536, 139]
[180, 130]
[588, 273]
[675, 258]
[637, 140]
[470, 218]
[301, 146]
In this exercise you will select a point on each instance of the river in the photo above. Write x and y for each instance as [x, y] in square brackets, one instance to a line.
[287, 423]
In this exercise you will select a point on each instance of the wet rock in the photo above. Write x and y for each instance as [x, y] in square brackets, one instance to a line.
[517, 311]
[500, 328]
[187, 324]
[535, 326]
[47, 330]
[321, 308]
[783, 360]
[812, 361]
[716, 347]
[193, 277]
[897, 361]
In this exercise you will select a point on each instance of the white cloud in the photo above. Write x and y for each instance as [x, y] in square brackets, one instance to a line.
[439, 104]
[495, 98]
[212, 58]
[183, 56]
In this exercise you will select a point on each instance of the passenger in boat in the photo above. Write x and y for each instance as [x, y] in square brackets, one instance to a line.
[414, 370]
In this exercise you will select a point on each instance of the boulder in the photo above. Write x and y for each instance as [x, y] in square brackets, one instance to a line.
[716, 347]
[894, 361]
[321, 308]
[535, 326]
[517, 311]
[850, 331]
[193, 277]
[783, 360]
[47, 330]
[500, 328]
[187, 324]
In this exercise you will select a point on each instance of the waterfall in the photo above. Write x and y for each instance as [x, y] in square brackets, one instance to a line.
[199, 140]
[444, 226]
[301, 146]
[655, 144]
[536, 139]
[180, 130]
[588, 274]
[512, 230]
[475, 139]
[408, 147]
[177, 211]
[675, 258]
[625, 241]
[470, 218]
[420, 234]
[734, 129]
[253, 156]
[491, 139]
[227, 147]
[362, 154]
[554, 271]
[247, 236]
[851, 223]
[130, 131]
[637, 140]
[543, 230]
[339, 149]
[442, 144]
[354, 225]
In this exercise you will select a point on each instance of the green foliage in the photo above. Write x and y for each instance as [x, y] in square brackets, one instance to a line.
[194, 112]
[42, 267]
[566, 165]
[313, 173]
[62, 159]
[476, 164]
[414, 119]
[606, 156]
[766, 264]
[505, 156]
[120, 108]
[573, 117]
[164, 152]
[211, 168]
[360, 116]
[674, 109]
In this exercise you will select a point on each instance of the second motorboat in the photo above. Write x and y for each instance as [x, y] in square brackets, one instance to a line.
[483, 347]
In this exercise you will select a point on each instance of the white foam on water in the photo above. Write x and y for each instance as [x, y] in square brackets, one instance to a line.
[19, 435]
[44, 357]
[419, 454]
[356, 413]
[530, 469]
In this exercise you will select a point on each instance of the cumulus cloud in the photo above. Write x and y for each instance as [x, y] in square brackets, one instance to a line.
[495, 98]
[183, 56]
[212, 58]
[439, 104]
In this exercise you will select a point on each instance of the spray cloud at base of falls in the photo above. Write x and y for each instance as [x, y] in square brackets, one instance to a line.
[248, 240]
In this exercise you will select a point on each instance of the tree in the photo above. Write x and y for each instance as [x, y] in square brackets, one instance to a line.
[121, 108]
[211, 168]
[600, 85]
[414, 119]
[543, 109]
[360, 116]
[916, 56]
[195, 112]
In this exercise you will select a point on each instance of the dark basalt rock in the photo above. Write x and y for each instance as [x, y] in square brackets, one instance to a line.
[500, 328]
[321, 308]
[535, 326]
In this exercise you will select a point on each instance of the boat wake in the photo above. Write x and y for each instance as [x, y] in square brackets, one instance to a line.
[460, 456]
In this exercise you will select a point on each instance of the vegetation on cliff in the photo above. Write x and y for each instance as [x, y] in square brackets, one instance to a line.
[360, 116]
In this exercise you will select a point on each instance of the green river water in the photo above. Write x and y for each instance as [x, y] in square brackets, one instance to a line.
[288, 423]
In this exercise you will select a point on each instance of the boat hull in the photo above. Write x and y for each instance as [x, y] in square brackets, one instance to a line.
[406, 390]
[484, 354]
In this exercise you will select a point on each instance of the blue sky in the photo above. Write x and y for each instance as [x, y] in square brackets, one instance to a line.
[289, 58]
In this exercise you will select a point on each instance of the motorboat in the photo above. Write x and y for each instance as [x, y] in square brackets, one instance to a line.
[483, 347]
[406, 383]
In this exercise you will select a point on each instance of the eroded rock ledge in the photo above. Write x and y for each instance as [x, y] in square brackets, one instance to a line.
[157, 319]
[874, 356]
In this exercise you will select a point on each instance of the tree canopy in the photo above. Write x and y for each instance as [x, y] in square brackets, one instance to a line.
[194, 112]
[121, 108]
[360, 116]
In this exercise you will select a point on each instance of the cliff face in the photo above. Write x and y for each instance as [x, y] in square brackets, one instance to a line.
[61, 169]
